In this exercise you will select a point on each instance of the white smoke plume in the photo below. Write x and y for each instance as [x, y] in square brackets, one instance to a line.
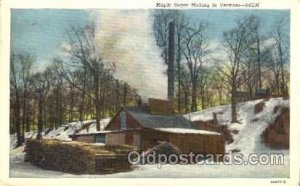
[126, 40]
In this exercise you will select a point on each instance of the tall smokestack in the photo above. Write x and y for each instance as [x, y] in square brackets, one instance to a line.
[171, 62]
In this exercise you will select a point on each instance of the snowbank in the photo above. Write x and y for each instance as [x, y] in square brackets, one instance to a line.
[93, 128]
[63, 132]
[250, 125]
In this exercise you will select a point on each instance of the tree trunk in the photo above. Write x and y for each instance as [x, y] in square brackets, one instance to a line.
[178, 72]
[171, 62]
[259, 65]
[277, 83]
[71, 106]
[27, 123]
[125, 94]
[186, 101]
[233, 105]
[202, 100]
[194, 96]
[24, 113]
[97, 101]
[117, 102]
[220, 98]
[82, 96]
[40, 118]
[282, 86]
[18, 120]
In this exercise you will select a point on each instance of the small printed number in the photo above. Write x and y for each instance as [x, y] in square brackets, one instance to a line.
[278, 181]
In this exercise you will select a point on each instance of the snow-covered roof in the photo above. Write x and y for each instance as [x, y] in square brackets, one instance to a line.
[187, 131]
[94, 132]
[159, 121]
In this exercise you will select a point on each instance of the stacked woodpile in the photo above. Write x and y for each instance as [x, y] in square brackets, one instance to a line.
[76, 157]
[111, 163]
[277, 134]
[163, 147]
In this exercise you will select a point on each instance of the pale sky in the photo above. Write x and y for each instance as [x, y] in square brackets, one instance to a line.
[41, 31]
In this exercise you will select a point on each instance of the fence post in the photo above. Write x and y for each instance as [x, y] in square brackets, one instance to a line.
[215, 118]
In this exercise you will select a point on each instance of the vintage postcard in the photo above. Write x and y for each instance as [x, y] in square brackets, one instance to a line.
[199, 91]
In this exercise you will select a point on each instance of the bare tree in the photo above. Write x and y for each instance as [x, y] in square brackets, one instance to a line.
[254, 77]
[195, 51]
[204, 85]
[83, 50]
[234, 71]
[26, 62]
[282, 50]
[20, 67]
[41, 82]
[186, 86]
[275, 57]
[59, 85]
[15, 100]
[161, 30]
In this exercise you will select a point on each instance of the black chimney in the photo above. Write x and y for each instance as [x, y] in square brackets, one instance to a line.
[171, 62]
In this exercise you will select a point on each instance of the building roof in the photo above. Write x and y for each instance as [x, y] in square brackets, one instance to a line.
[91, 133]
[187, 131]
[158, 121]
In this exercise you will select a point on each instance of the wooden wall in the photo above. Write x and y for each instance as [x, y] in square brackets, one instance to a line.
[115, 122]
[196, 143]
[147, 138]
[150, 138]
[85, 138]
[124, 137]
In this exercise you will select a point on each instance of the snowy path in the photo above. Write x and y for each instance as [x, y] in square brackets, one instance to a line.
[248, 139]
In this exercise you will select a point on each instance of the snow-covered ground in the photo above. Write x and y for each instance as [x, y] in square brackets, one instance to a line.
[21, 169]
[248, 137]
[247, 140]
[92, 128]
[63, 132]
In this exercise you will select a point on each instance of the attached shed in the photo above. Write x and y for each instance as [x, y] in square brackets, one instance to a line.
[137, 126]
[94, 137]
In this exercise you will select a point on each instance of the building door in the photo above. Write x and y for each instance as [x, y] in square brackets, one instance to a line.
[129, 139]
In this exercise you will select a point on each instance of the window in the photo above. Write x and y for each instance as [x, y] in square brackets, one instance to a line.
[123, 120]
[100, 138]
